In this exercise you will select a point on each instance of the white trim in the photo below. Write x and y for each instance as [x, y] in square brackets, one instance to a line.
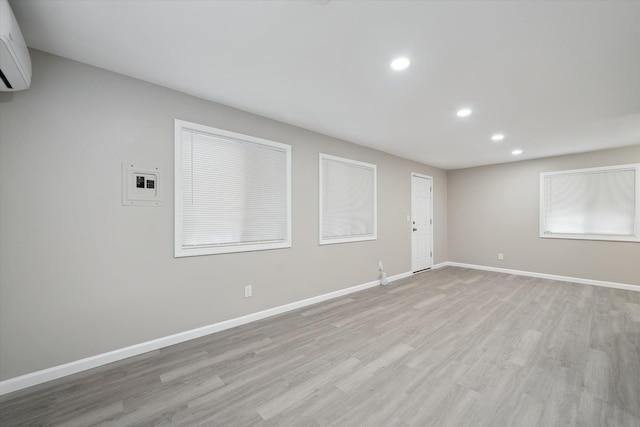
[432, 250]
[179, 250]
[579, 280]
[55, 372]
[400, 276]
[353, 238]
[635, 237]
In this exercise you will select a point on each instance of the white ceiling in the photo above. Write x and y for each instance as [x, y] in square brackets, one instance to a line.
[555, 77]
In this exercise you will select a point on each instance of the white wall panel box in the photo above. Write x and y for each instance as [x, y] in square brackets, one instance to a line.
[141, 186]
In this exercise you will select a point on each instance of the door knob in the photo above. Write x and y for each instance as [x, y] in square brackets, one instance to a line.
[415, 229]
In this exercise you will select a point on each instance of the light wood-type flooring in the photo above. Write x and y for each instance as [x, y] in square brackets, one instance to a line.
[449, 347]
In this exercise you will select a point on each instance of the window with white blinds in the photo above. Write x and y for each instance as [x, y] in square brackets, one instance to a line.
[232, 192]
[348, 202]
[598, 203]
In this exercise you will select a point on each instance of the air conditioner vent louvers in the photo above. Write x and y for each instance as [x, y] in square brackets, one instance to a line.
[15, 63]
[5, 81]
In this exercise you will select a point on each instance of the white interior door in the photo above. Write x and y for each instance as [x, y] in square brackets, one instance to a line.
[421, 222]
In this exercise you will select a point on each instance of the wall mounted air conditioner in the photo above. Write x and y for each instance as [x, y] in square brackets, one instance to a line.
[15, 64]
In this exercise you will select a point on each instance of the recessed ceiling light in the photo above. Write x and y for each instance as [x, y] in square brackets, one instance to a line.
[465, 112]
[516, 152]
[401, 63]
[497, 137]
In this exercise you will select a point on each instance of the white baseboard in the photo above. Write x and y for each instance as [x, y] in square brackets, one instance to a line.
[591, 282]
[399, 276]
[55, 372]
[439, 265]
[49, 374]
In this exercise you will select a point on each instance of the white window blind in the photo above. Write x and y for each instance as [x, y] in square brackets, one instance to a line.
[598, 203]
[347, 200]
[232, 192]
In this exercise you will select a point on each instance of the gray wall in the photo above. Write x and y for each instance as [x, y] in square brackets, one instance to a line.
[81, 275]
[495, 209]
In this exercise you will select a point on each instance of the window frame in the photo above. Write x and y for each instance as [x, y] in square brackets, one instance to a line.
[586, 236]
[180, 250]
[355, 238]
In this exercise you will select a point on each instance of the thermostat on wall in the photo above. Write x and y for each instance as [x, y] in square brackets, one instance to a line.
[140, 185]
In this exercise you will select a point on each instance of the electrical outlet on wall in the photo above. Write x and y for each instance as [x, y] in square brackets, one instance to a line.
[248, 291]
[500, 257]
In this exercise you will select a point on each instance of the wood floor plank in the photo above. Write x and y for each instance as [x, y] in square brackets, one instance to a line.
[597, 375]
[298, 394]
[634, 311]
[448, 347]
[526, 347]
[367, 371]
[94, 417]
[431, 300]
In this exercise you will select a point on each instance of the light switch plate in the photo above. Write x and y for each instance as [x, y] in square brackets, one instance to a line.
[141, 186]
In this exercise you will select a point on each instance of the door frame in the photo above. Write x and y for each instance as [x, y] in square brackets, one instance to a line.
[419, 175]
